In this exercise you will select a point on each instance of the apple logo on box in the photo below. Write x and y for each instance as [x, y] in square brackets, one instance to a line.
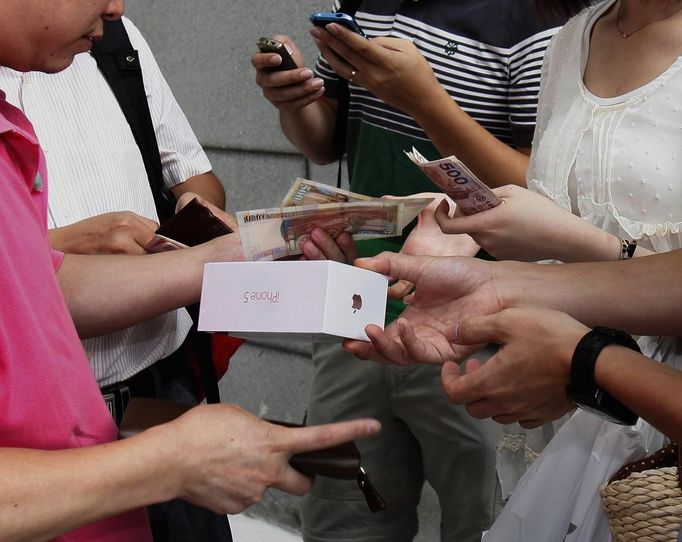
[357, 302]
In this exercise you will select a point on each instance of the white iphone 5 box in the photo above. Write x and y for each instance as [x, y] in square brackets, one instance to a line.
[303, 300]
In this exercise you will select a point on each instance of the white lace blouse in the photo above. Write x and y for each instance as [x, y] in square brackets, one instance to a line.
[617, 162]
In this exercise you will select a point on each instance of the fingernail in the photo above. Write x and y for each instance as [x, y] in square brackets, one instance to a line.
[333, 28]
[454, 333]
[317, 83]
[306, 73]
[318, 235]
[373, 426]
[275, 60]
[310, 250]
[315, 32]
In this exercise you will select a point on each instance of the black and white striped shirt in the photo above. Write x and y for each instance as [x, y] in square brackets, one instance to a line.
[487, 54]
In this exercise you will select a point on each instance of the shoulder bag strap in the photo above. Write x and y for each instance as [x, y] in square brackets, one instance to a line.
[120, 64]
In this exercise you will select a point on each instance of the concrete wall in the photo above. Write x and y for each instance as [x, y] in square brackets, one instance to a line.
[204, 50]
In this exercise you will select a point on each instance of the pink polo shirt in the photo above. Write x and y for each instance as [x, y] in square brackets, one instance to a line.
[48, 396]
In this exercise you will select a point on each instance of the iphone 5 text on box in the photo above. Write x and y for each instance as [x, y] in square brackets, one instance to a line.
[292, 300]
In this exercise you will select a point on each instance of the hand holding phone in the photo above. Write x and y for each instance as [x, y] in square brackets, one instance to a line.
[323, 18]
[269, 45]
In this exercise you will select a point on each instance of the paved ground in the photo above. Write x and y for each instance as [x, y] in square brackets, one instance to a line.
[248, 529]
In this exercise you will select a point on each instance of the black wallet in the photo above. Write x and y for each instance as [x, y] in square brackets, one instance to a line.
[342, 462]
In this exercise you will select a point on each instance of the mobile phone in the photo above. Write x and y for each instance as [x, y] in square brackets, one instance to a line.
[269, 45]
[323, 18]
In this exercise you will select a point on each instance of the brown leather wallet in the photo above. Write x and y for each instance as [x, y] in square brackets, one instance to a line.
[341, 462]
[193, 225]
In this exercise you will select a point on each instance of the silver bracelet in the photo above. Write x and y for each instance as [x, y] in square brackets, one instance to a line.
[627, 248]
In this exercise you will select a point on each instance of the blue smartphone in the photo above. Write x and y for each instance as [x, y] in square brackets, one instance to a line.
[323, 18]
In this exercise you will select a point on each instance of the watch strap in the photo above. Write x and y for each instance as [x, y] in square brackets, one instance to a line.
[588, 349]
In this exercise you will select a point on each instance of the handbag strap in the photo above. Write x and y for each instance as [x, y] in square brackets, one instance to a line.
[668, 456]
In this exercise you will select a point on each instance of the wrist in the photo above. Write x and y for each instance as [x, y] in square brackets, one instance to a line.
[436, 106]
[611, 360]
[58, 240]
[520, 285]
[167, 468]
[583, 387]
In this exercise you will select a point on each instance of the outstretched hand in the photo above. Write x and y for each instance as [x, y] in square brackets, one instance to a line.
[427, 239]
[446, 290]
[525, 380]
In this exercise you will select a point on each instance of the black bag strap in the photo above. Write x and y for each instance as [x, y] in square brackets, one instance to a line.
[349, 7]
[120, 64]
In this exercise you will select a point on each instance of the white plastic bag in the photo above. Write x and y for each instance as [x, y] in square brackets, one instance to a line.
[557, 499]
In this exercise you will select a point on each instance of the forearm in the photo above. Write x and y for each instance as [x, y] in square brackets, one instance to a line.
[60, 239]
[311, 130]
[46, 493]
[109, 293]
[641, 296]
[587, 243]
[206, 185]
[453, 131]
[650, 389]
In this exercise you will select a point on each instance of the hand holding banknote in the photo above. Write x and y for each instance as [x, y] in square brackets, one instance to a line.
[271, 234]
[530, 227]
[322, 246]
[458, 182]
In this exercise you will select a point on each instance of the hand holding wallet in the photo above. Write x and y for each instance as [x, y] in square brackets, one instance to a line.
[341, 462]
[192, 225]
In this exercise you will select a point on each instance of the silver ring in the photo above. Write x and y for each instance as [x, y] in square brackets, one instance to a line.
[353, 73]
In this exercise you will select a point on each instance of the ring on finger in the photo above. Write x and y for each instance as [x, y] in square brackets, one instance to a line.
[353, 73]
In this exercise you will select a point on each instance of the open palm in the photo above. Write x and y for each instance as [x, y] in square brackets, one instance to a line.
[446, 290]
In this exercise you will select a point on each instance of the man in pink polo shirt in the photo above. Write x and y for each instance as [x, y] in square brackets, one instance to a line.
[63, 476]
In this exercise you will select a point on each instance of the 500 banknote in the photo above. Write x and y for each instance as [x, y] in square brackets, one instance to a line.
[457, 181]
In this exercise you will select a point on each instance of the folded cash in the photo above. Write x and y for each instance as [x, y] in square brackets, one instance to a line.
[305, 192]
[456, 180]
[270, 234]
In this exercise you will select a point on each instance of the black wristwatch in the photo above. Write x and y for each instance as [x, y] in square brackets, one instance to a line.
[583, 390]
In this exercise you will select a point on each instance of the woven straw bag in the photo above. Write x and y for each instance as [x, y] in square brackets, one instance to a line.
[643, 500]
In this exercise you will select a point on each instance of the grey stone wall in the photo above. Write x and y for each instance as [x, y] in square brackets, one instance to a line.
[204, 50]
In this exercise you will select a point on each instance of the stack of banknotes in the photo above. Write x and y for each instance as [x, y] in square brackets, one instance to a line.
[270, 234]
[457, 181]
